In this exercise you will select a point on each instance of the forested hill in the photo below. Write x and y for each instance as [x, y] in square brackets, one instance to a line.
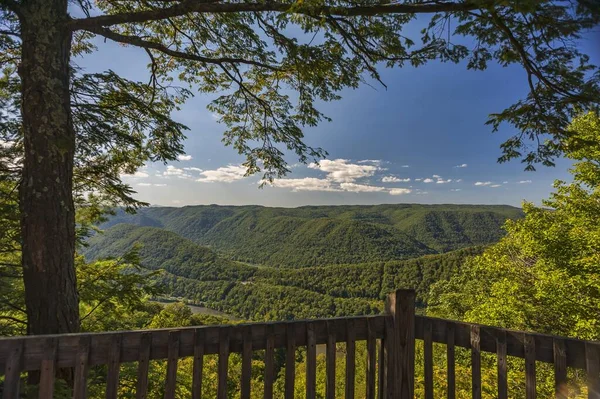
[319, 235]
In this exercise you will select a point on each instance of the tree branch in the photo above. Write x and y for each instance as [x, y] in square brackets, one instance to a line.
[212, 6]
[139, 42]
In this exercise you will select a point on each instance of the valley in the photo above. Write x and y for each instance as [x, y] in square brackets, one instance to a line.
[259, 263]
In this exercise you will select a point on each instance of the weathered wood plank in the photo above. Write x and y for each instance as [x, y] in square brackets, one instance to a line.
[428, 360]
[560, 369]
[223, 362]
[290, 361]
[114, 366]
[593, 370]
[502, 368]
[198, 363]
[269, 364]
[12, 370]
[475, 362]
[143, 366]
[371, 363]
[389, 367]
[311, 361]
[330, 363]
[48, 370]
[530, 385]
[172, 360]
[450, 362]
[514, 341]
[246, 364]
[350, 360]
[68, 344]
[81, 368]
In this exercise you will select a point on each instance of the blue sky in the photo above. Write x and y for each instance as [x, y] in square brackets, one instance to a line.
[427, 126]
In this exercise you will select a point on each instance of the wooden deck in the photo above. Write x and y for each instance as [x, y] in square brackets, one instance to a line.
[390, 341]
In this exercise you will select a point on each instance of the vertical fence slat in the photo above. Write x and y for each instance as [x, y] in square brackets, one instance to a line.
[81, 369]
[12, 370]
[114, 366]
[290, 360]
[593, 370]
[198, 363]
[47, 377]
[428, 358]
[389, 367]
[371, 360]
[330, 362]
[450, 361]
[350, 359]
[246, 363]
[381, 379]
[475, 362]
[560, 368]
[311, 361]
[143, 365]
[172, 359]
[269, 362]
[502, 370]
[530, 386]
[223, 362]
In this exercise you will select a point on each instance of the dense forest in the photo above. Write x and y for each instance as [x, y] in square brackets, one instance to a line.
[323, 235]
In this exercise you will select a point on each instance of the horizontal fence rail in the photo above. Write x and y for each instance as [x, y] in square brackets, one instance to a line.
[390, 351]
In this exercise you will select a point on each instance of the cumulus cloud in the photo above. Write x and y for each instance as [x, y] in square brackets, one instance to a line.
[496, 185]
[442, 181]
[224, 174]
[524, 181]
[436, 176]
[462, 165]
[428, 180]
[373, 161]
[341, 171]
[400, 191]
[360, 188]
[192, 169]
[173, 171]
[394, 179]
[305, 184]
[184, 157]
[483, 183]
[418, 179]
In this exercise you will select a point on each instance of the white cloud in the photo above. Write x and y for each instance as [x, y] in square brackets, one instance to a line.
[504, 182]
[524, 182]
[483, 183]
[405, 166]
[192, 169]
[339, 170]
[427, 180]
[422, 192]
[159, 185]
[373, 161]
[144, 184]
[496, 185]
[442, 181]
[455, 189]
[305, 184]
[172, 171]
[418, 179]
[394, 179]
[184, 157]
[458, 180]
[462, 165]
[225, 174]
[436, 176]
[360, 188]
[400, 191]
[139, 175]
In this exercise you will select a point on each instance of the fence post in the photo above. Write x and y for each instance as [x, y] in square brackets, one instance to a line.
[401, 306]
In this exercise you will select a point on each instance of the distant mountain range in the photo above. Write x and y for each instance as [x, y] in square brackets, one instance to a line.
[312, 235]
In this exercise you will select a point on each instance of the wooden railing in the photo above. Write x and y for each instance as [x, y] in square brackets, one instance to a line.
[390, 342]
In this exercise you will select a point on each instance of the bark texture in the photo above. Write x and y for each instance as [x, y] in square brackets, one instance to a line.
[48, 214]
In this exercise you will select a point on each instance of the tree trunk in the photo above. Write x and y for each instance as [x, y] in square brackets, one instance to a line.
[46, 200]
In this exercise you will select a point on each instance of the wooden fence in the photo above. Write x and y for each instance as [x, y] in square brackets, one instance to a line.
[390, 341]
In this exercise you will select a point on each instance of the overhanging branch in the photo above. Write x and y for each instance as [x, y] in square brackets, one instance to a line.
[212, 6]
[139, 42]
